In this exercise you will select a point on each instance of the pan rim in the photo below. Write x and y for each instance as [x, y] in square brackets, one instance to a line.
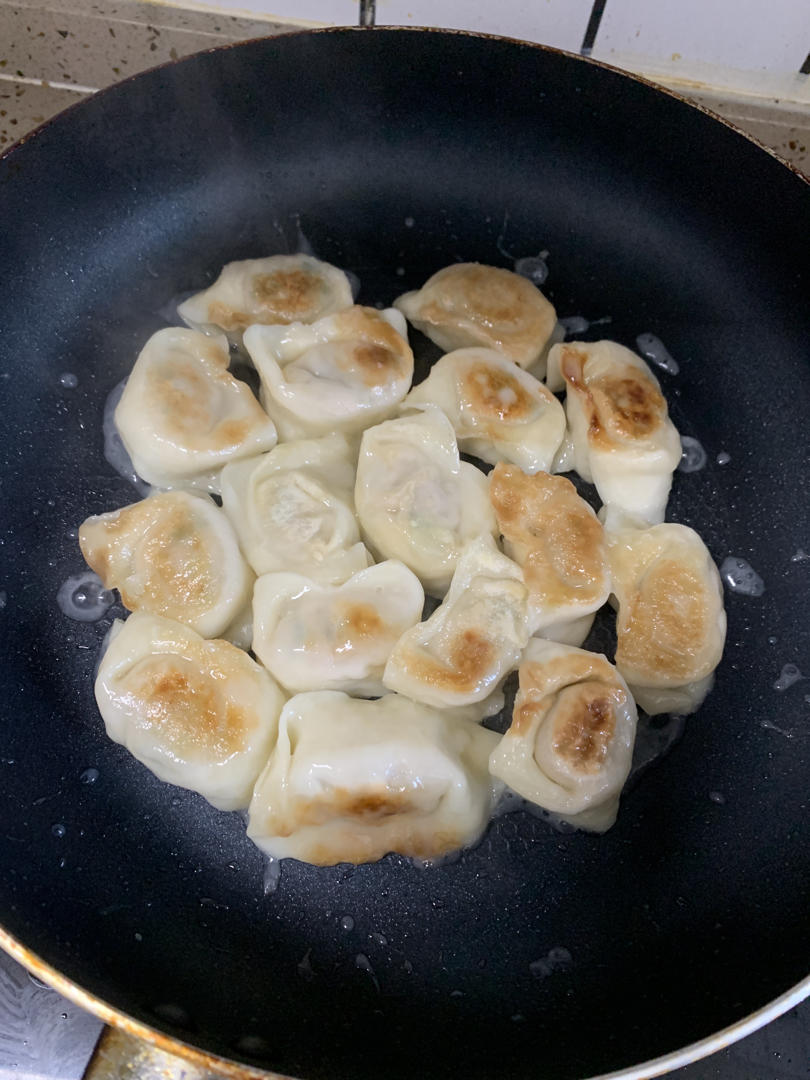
[434, 30]
[646, 1070]
[230, 1068]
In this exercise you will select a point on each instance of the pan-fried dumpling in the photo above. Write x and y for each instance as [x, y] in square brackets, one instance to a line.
[182, 416]
[293, 509]
[559, 543]
[325, 637]
[416, 501]
[472, 304]
[570, 745]
[200, 714]
[671, 623]
[343, 373]
[623, 440]
[350, 781]
[172, 554]
[277, 290]
[471, 641]
[499, 413]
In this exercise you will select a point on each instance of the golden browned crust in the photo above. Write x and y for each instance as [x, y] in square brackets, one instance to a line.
[557, 539]
[664, 624]
[623, 405]
[187, 706]
[471, 656]
[495, 394]
[154, 555]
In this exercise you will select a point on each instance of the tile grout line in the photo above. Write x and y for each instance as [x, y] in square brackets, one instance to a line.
[48, 84]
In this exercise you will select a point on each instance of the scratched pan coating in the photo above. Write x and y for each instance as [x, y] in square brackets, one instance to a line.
[394, 153]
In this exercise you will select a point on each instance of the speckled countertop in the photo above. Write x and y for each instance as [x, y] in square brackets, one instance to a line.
[53, 53]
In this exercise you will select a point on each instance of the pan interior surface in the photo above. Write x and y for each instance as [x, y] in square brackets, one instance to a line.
[391, 154]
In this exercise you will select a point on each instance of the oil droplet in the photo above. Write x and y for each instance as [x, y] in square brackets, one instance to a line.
[347, 923]
[305, 966]
[362, 962]
[654, 350]
[533, 267]
[741, 578]
[173, 1014]
[84, 598]
[717, 797]
[723, 458]
[575, 324]
[378, 939]
[272, 875]
[800, 556]
[693, 456]
[254, 1045]
[58, 830]
[89, 776]
[789, 675]
[556, 959]
[69, 380]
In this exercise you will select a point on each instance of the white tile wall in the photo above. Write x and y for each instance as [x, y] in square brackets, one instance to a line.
[560, 23]
[748, 34]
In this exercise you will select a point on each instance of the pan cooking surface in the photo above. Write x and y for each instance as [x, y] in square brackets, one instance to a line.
[398, 151]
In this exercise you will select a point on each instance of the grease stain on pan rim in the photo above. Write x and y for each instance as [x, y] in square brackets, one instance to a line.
[676, 1059]
[441, 31]
[232, 1069]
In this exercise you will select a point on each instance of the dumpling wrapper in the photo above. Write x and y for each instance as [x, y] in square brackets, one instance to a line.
[172, 554]
[293, 509]
[324, 637]
[570, 744]
[473, 639]
[342, 373]
[199, 714]
[621, 437]
[416, 500]
[671, 622]
[470, 304]
[276, 290]
[182, 416]
[498, 412]
[557, 540]
[351, 780]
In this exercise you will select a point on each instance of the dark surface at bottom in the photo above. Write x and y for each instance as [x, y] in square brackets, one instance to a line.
[402, 151]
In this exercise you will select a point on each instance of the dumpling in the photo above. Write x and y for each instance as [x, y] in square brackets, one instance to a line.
[471, 641]
[182, 416]
[277, 290]
[570, 745]
[172, 554]
[350, 781]
[293, 509]
[623, 440]
[559, 543]
[200, 714]
[498, 412]
[416, 501]
[472, 304]
[671, 623]
[325, 637]
[343, 373]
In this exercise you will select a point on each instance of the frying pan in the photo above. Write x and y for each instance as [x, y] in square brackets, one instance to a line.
[393, 153]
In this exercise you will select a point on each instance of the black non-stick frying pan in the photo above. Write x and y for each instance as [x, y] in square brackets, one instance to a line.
[394, 153]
